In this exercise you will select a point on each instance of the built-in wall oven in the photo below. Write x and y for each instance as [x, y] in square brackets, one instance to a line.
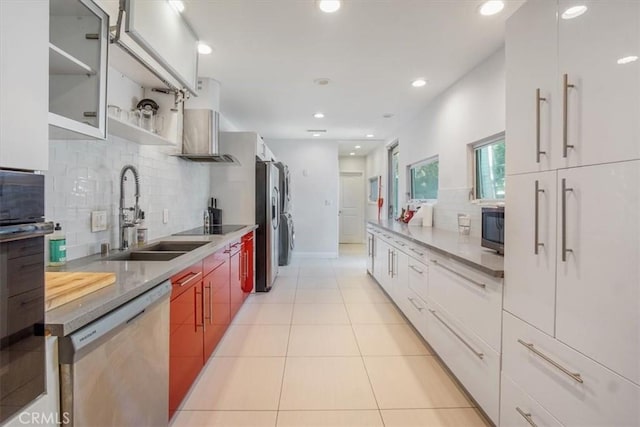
[22, 345]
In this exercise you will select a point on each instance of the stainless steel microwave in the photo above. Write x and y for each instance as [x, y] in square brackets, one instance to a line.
[493, 229]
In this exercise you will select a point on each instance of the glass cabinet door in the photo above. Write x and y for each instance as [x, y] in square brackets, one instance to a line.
[78, 36]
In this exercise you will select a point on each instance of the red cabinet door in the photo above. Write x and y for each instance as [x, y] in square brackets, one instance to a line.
[235, 282]
[217, 306]
[185, 341]
[248, 260]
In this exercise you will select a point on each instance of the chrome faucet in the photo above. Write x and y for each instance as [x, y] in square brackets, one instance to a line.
[124, 222]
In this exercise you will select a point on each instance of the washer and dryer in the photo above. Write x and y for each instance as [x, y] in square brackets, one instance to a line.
[287, 232]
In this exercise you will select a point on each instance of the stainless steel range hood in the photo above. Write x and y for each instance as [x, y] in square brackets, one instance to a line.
[200, 137]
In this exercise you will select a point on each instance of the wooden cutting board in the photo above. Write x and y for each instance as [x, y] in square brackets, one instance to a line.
[64, 287]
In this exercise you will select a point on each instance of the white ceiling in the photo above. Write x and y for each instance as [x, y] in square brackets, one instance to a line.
[266, 54]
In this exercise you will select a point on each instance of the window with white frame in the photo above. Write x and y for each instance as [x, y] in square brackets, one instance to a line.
[373, 189]
[489, 170]
[424, 179]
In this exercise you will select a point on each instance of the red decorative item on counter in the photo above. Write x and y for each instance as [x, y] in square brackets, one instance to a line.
[407, 216]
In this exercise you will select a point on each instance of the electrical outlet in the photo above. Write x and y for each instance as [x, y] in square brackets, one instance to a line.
[98, 221]
[165, 216]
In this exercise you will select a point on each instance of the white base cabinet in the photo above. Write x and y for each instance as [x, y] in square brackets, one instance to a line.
[456, 309]
[518, 409]
[472, 361]
[472, 297]
[573, 388]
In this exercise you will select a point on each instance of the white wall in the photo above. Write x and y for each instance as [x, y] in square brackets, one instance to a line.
[471, 109]
[313, 165]
[85, 176]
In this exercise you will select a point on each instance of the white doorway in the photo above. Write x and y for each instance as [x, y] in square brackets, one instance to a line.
[351, 207]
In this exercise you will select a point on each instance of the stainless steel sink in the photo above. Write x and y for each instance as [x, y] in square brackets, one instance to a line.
[146, 256]
[171, 246]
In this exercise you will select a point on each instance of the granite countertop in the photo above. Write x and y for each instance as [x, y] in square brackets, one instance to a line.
[133, 278]
[465, 249]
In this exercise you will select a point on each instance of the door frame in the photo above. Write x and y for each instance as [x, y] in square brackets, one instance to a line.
[361, 175]
[391, 148]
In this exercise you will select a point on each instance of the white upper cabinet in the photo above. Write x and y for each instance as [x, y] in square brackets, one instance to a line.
[530, 255]
[603, 88]
[24, 84]
[573, 85]
[598, 285]
[78, 36]
[531, 91]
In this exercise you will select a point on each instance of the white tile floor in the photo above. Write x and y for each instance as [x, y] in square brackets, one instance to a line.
[326, 347]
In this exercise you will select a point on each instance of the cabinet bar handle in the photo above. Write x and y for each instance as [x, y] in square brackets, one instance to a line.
[413, 302]
[210, 305]
[574, 375]
[462, 340]
[417, 270]
[527, 417]
[400, 243]
[565, 190]
[539, 99]
[537, 243]
[389, 265]
[478, 284]
[415, 251]
[192, 277]
[565, 114]
[368, 246]
[393, 263]
[195, 308]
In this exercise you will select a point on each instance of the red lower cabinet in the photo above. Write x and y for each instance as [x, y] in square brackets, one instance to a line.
[235, 280]
[185, 341]
[217, 306]
[204, 299]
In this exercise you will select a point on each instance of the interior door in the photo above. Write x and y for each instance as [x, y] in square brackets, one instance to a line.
[351, 207]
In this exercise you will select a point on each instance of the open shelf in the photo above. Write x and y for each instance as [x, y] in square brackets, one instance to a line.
[135, 134]
[63, 63]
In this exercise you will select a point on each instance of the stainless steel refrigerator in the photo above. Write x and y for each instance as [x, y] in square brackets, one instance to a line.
[268, 219]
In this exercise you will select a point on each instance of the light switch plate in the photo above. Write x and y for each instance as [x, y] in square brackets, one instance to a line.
[165, 216]
[98, 221]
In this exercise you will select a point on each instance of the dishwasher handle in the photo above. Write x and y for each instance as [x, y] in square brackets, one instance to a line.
[73, 347]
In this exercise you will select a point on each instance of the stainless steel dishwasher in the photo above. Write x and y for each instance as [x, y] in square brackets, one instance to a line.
[115, 371]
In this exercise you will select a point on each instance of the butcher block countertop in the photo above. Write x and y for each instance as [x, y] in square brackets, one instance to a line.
[133, 278]
[64, 287]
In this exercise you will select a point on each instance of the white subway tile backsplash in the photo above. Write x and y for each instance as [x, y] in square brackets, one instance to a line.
[452, 202]
[84, 176]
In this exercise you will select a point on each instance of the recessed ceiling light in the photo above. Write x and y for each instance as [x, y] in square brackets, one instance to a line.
[316, 134]
[627, 59]
[418, 83]
[357, 146]
[387, 115]
[319, 115]
[352, 154]
[491, 7]
[178, 5]
[204, 48]
[574, 12]
[321, 81]
[370, 135]
[329, 6]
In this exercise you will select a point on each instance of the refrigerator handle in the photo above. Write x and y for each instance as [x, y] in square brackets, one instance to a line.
[275, 204]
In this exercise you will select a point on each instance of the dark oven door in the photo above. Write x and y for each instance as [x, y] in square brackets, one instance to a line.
[22, 346]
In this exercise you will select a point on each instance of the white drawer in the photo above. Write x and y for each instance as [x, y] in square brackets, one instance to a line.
[518, 409]
[419, 252]
[471, 296]
[472, 361]
[418, 277]
[414, 308]
[548, 371]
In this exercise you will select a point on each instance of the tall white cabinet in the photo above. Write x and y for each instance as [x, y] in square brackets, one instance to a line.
[572, 259]
[24, 84]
